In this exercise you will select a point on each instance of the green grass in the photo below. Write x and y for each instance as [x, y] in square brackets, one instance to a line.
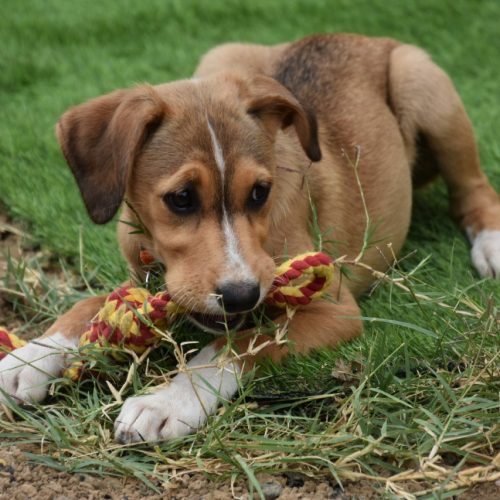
[423, 381]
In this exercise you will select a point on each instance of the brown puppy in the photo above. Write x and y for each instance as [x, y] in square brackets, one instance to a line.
[215, 166]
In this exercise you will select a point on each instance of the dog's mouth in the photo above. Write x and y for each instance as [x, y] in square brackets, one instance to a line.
[217, 323]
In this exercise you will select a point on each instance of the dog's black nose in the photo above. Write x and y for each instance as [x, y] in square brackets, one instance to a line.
[239, 296]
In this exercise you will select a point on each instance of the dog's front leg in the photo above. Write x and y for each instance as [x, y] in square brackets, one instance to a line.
[26, 372]
[183, 406]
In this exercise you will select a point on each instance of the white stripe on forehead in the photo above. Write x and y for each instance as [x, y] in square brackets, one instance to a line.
[219, 157]
[238, 268]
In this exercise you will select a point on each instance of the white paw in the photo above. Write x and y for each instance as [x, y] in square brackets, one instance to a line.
[182, 407]
[485, 253]
[25, 373]
[169, 413]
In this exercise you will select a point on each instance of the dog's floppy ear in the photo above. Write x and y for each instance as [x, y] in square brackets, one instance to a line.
[100, 140]
[278, 107]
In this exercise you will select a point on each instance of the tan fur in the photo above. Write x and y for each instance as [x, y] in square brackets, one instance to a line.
[77, 320]
[377, 101]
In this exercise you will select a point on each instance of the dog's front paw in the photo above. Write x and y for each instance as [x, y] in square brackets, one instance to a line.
[183, 406]
[485, 253]
[172, 412]
[25, 373]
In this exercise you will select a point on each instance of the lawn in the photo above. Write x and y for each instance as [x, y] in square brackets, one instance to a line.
[417, 394]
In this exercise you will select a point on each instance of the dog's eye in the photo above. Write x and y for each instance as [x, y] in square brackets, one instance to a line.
[182, 202]
[259, 195]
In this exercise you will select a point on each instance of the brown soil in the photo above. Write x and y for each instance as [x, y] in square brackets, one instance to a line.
[20, 479]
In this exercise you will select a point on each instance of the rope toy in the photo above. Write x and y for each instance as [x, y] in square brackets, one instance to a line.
[131, 316]
[9, 342]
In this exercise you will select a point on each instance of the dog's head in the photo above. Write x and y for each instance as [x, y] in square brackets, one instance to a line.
[195, 160]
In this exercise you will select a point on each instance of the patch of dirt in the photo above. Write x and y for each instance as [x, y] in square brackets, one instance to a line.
[20, 479]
